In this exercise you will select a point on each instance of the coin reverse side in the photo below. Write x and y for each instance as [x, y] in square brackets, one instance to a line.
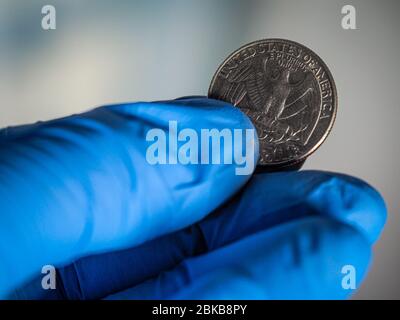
[288, 93]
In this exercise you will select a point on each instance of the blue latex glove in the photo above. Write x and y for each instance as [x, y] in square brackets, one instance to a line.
[79, 190]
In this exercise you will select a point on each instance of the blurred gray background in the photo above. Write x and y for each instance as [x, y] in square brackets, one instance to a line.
[117, 51]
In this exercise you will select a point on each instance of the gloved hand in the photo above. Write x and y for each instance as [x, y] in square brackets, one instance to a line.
[79, 194]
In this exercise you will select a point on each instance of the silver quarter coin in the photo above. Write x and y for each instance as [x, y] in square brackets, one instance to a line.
[288, 93]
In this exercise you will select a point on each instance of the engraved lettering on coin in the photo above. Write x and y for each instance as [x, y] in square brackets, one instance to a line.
[288, 93]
